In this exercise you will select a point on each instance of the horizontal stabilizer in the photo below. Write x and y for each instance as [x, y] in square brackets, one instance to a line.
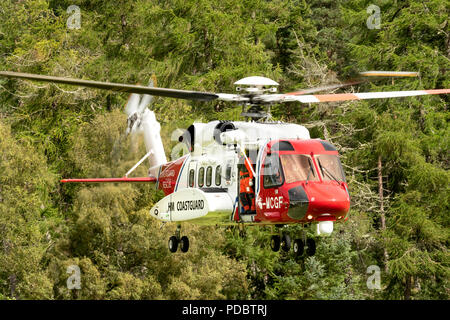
[389, 74]
[124, 179]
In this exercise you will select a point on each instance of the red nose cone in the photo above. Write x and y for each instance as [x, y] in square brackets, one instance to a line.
[327, 197]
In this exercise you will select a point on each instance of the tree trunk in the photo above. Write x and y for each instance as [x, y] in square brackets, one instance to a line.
[382, 216]
[408, 288]
[12, 285]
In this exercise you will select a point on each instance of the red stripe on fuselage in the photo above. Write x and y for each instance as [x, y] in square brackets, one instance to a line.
[169, 175]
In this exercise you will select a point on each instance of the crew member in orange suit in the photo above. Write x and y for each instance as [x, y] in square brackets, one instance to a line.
[246, 193]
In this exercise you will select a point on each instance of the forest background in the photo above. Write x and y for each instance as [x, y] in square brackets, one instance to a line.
[395, 151]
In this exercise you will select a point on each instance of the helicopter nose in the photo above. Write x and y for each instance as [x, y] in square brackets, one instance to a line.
[331, 198]
[159, 214]
[315, 199]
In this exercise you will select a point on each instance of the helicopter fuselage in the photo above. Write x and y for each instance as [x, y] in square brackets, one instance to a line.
[296, 179]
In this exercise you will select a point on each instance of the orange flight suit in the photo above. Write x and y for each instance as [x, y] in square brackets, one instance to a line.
[246, 193]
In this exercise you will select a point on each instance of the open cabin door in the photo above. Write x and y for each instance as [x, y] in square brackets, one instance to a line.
[270, 201]
[247, 178]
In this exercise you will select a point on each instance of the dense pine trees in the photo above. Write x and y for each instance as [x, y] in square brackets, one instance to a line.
[395, 151]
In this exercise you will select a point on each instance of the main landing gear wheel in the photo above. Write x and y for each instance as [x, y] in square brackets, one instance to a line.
[298, 247]
[184, 244]
[275, 243]
[310, 247]
[285, 242]
[177, 239]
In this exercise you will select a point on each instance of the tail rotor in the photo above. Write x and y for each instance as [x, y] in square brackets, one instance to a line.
[135, 108]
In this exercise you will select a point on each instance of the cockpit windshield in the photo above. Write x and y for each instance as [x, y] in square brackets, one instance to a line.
[330, 167]
[298, 167]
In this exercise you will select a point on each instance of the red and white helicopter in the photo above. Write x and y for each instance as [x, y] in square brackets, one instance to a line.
[293, 179]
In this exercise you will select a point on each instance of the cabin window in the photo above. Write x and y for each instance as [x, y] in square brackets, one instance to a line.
[201, 177]
[208, 176]
[191, 178]
[228, 173]
[218, 176]
[298, 167]
[272, 171]
[330, 167]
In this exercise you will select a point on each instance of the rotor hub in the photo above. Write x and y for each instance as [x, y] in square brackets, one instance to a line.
[256, 85]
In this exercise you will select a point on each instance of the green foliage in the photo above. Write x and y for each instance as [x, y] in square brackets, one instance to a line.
[27, 227]
[51, 131]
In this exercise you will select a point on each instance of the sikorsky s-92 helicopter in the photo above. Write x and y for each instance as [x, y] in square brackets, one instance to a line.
[253, 172]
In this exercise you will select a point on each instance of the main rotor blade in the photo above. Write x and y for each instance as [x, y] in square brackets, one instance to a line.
[362, 95]
[325, 88]
[352, 82]
[163, 92]
[389, 74]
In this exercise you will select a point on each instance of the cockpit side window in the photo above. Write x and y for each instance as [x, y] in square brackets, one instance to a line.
[272, 171]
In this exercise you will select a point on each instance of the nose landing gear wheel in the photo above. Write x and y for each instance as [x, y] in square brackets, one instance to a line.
[310, 247]
[275, 243]
[173, 244]
[285, 243]
[298, 247]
